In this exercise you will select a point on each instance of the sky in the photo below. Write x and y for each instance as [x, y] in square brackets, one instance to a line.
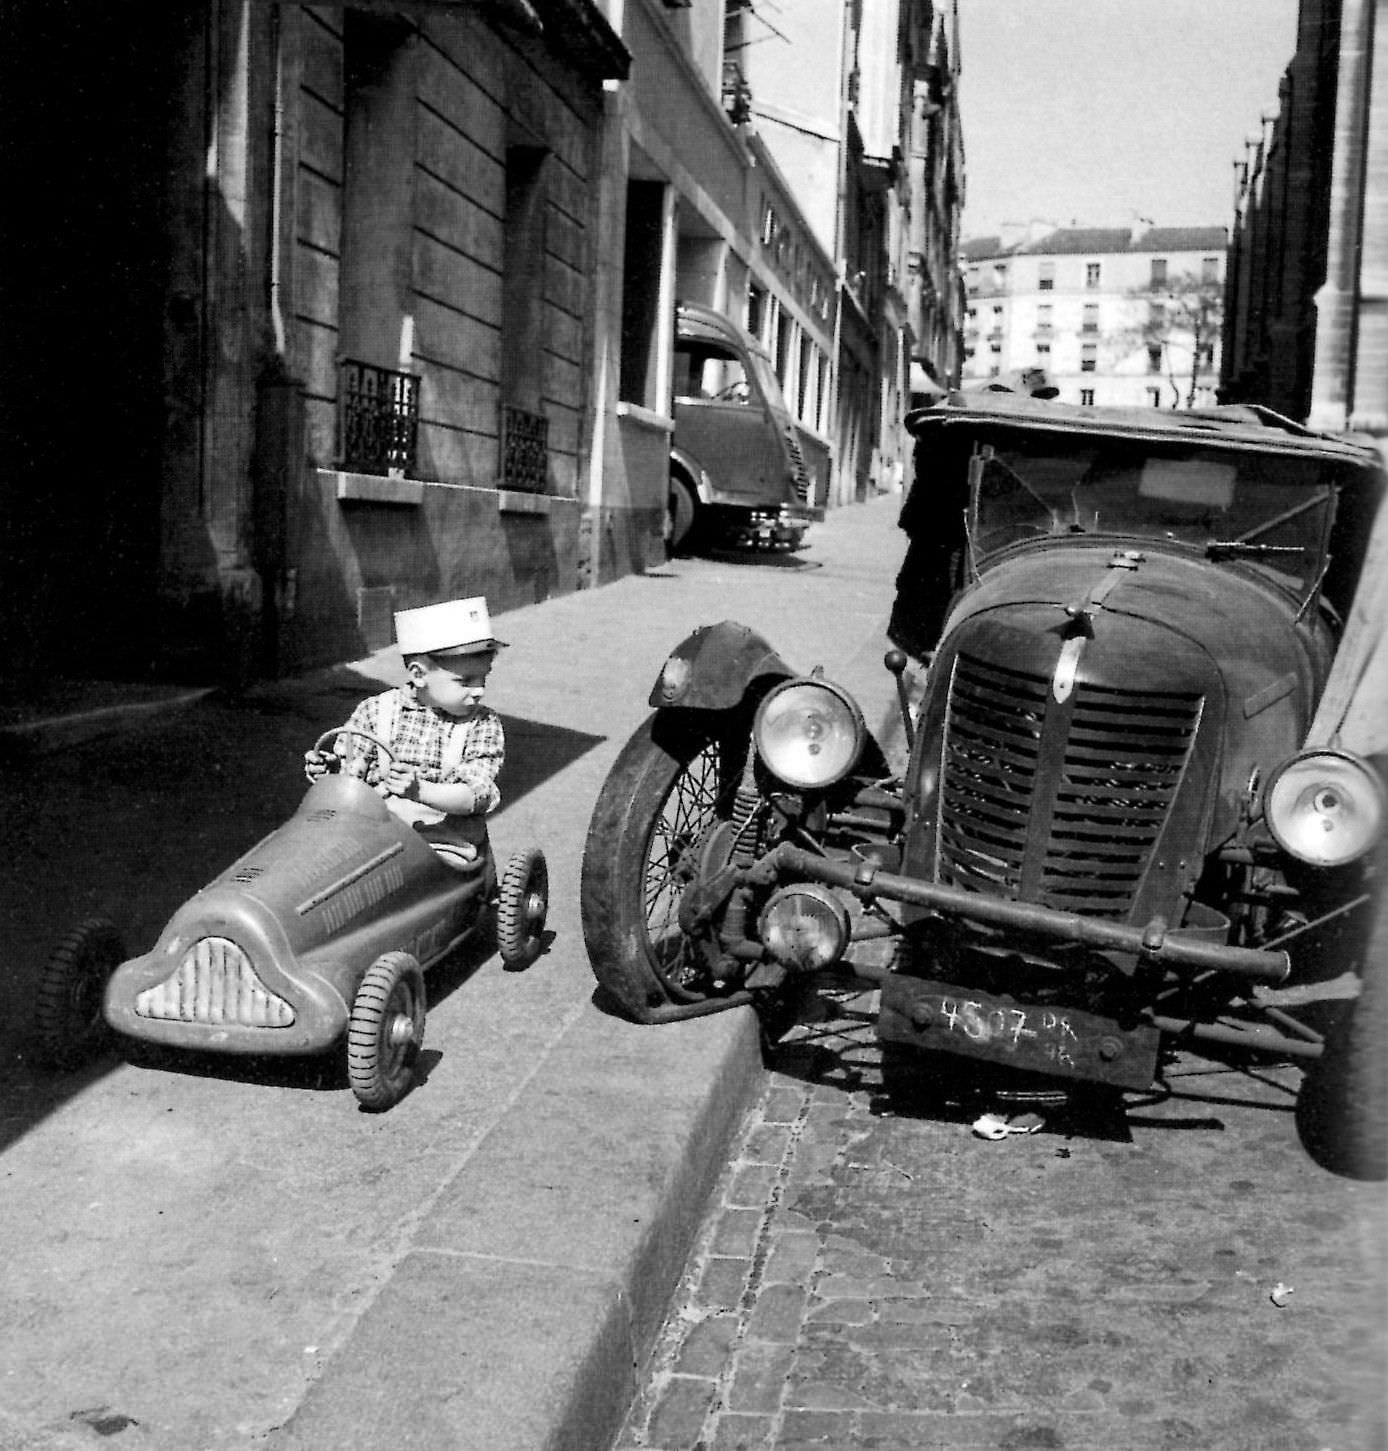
[1099, 112]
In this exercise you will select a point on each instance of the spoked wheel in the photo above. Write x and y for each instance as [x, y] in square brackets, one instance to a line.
[386, 1031]
[522, 908]
[669, 791]
[69, 1025]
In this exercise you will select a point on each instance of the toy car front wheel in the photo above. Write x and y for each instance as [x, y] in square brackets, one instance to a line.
[522, 908]
[69, 1027]
[386, 1031]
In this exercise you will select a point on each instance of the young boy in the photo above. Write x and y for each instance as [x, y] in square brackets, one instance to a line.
[447, 746]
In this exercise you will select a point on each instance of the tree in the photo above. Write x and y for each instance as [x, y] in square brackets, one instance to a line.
[1183, 317]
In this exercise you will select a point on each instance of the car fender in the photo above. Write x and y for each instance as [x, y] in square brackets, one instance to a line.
[684, 463]
[714, 667]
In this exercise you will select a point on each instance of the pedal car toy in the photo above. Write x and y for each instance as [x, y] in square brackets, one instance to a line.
[316, 937]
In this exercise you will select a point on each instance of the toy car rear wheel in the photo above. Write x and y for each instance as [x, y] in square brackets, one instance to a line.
[69, 1026]
[386, 1031]
[670, 788]
[522, 906]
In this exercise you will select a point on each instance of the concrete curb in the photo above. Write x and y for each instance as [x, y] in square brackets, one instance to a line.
[594, 1258]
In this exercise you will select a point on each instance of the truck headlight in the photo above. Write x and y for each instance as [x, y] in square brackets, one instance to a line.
[1324, 807]
[805, 926]
[809, 733]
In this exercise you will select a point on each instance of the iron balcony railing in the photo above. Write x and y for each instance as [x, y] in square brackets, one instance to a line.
[378, 419]
[524, 450]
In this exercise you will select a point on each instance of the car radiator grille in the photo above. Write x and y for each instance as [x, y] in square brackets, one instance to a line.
[215, 983]
[1057, 805]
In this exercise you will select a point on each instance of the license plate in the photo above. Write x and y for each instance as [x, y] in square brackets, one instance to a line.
[1061, 1041]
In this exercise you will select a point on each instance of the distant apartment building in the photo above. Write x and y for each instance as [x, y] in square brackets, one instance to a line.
[1307, 298]
[1114, 316]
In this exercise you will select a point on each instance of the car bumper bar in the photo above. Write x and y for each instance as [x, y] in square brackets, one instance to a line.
[1153, 943]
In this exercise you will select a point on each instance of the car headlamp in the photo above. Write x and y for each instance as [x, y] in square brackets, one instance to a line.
[805, 927]
[1324, 807]
[809, 733]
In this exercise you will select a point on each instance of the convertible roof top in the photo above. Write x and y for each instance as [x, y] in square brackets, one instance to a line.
[1237, 426]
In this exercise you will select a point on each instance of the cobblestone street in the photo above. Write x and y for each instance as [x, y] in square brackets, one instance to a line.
[873, 1274]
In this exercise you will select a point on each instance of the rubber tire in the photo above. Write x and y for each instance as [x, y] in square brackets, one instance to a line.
[386, 1031]
[653, 766]
[69, 1023]
[1342, 1109]
[521, 909]
[684, 516]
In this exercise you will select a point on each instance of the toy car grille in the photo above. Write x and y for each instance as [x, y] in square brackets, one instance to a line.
[1057, 804]
[216, 984]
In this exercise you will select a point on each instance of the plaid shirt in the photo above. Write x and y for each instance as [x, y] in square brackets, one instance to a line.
[424, 738]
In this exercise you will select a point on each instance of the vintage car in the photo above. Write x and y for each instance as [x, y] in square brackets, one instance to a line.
[316, 939]
[1111, 832]
[739, 477]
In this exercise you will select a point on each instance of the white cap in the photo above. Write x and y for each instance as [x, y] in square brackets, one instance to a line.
[456, 627]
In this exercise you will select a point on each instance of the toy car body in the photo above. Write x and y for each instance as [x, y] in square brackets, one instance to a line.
[1110, 827]
[316, 936]
[738, 474]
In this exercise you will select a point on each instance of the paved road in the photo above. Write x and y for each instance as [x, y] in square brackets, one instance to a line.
[201, 1255]
[873, 1275]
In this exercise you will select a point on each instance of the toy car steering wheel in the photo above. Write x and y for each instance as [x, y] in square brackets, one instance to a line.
[345, 730]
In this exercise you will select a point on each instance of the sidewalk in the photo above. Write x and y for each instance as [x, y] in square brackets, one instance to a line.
[527, 1267]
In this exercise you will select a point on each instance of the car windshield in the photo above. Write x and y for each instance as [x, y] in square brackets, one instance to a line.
[1269, 509]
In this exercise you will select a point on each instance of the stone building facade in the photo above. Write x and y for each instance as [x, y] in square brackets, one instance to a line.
[319, 311]
[1307, 305]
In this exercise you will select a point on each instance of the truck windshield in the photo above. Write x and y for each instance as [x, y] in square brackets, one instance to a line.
[1269, 509]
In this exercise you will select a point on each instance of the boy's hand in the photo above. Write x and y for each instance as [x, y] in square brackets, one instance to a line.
[317, 764]
[402, 781]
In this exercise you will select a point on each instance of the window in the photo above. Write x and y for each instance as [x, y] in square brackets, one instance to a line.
[378, 390]
[708, 371]
[1000, 274]
[1209, 269]
[1089, 360]
[756, 308]
[639, 380]
[971, 280]
[1154, 351]
[1043, 350]
[1091, 318]
[1158, 271]
[1087, 397]
[1091, 274]
[1045, 281]
[1155, 395]
[1043, 317]
[1156, 316]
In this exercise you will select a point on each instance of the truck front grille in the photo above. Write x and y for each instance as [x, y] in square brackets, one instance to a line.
[1059, 804]
[215, 983]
